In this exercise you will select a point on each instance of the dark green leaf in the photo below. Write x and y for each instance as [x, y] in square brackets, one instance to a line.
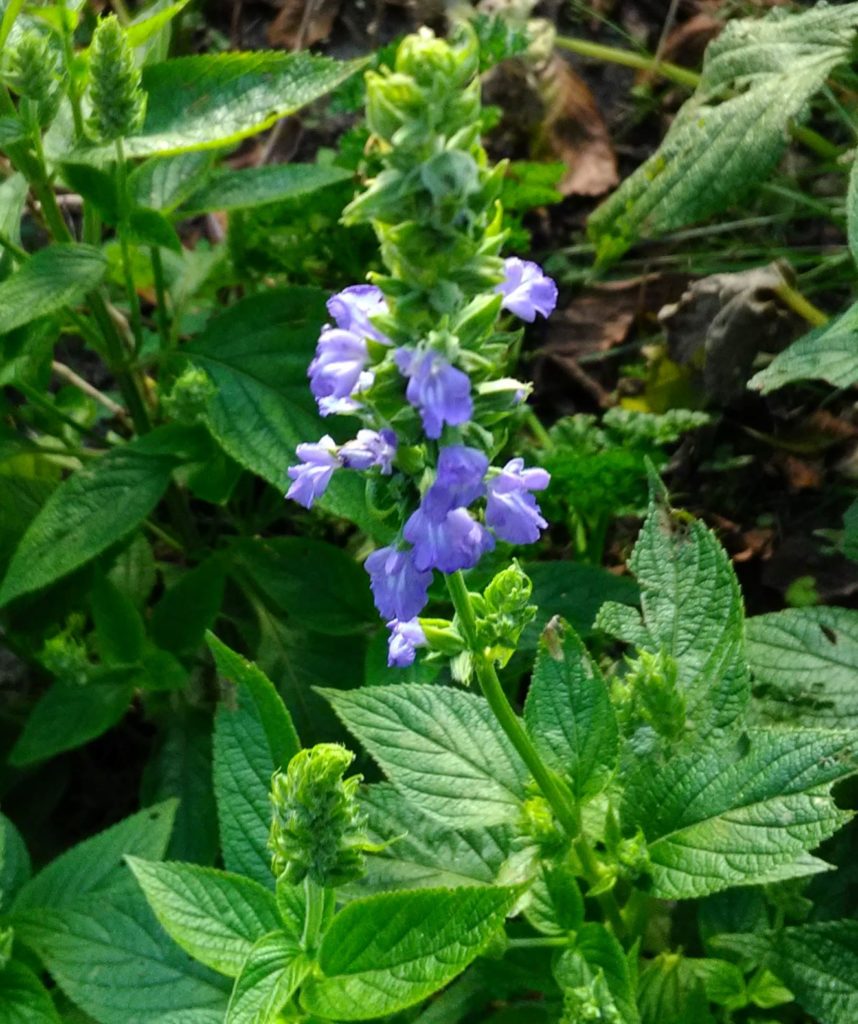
[256, 186]
[190, 607]
[57, 276]
[14, 862]
[23, 998]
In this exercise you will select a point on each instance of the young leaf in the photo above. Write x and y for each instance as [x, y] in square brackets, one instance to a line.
[569, 713]
[57, 276]
[118, 625]
[757, 76]
[217, 99]
[692, 610]
[14, 862]
[182, 616]
[96, 865]
[256, 186]
[23, 998]
[387, 952]
[253, 736]
[274, 969]
[713, 819]
[215, 916]
[596, 952]
[826, 353]
[95, 507]
[112, 958]
[806, 661]
[442, 748]
[669, 992]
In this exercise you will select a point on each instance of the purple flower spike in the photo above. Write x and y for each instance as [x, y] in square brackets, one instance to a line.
[440, 392]
[398, 587]
[405, 638]
[370, 448]
[352, 308]
[339, 363]
[526, 290]
[310, 478]
[511, 510]
[459, 481]
[455, 542]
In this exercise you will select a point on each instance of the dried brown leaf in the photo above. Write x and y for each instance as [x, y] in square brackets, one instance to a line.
[301, 23]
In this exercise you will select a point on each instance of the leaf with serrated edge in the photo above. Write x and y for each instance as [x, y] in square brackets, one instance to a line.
[714, 819]
[253, 736]
[274, 969]
[569, 713]
[58, 276]
[806, 659]
[442, 748]
[213, 915]
[387, 952]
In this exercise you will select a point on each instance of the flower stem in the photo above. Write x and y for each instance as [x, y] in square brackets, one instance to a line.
[316, 896]
[136, 317]
[629, 59]
[797, 302]
[161, 298]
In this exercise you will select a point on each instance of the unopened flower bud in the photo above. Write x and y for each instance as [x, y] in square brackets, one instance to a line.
[32, 72]
[117, 99]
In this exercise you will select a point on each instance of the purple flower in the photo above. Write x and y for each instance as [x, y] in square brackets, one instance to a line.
[405, 638]
[331, 406]
[526, 290]
[352, 308]
[455, 542]
[459, 481]
[370, 448]
[440, 392]
[398, 587]
[511, 510]
[340, 360]
[310, 478]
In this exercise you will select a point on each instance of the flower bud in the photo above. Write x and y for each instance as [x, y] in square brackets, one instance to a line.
[189, 396]
[506, 611]
[651, 686]
[32, 72]
[117, 99]
[317, 829]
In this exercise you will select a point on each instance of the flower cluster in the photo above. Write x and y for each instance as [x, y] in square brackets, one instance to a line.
[419, 355]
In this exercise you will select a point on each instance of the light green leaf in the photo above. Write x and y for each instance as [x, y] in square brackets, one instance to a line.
[805, 660]
[253, 736]
[852, 210]
[94, 508]
[14, 862]
[556, 904]
[162, 183]
[57, 276]
[23, 998]
[692, 610]
[442, 748]
[597, 953]
[569, 713]
[145, 25]
[217, 99]
[256, 186]
[423, 853]
[819, 964]
[757, 76]
[828, 353]
[669, 992]
[112, 958]
[387, 952]
[274, 969]
[311, 583]
[96, 865]
[215, 916]
[13, 198]
[714, 819]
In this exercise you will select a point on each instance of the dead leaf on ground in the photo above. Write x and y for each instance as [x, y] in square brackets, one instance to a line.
[687, 42]
[800, 474]
[301, 23]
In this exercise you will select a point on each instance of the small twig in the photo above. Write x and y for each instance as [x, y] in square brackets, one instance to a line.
[114, 408]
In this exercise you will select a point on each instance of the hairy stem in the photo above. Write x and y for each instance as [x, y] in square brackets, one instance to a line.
[127, 270]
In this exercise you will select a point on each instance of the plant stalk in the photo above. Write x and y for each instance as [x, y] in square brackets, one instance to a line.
[136, 317]
[316, 896]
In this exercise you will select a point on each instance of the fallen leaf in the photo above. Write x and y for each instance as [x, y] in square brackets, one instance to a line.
[800, 474]
[301, 23]
[686, 43]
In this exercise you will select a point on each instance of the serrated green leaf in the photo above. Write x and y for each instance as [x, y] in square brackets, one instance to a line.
[94, 508]
[602, 954]
[692, 611]
[311, 583]
[828, 353]
[253, 736]
[23, 998]
[387, 952]
[556, 904]
[14, 862]
[58, 276]
[424, 853]
[96, 865]
[805, 662]
[215, 916]
[113, 959]
[757, 76]
[256, 186]
[274, 969]
[569, 713]
[714, 819]
[852, 210]
[442, 748]
[217, 99]
[669, 992]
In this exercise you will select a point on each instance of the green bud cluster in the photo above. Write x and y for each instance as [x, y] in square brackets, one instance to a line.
[32, 71]
[317, 831]
[187, 399]
[434, 204]
[649, 695]
[66, 656]
[590, 1002]
[538, 823]
[503, 612]
[117, 99]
